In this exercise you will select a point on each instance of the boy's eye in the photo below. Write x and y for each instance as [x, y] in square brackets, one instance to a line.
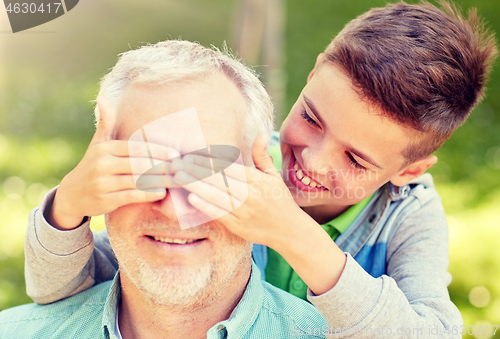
[354, 163]
[308, 119]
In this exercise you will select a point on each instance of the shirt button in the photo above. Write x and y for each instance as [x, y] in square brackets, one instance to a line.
[298, 285]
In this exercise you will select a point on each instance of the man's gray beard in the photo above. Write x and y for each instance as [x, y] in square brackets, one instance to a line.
[177, 286]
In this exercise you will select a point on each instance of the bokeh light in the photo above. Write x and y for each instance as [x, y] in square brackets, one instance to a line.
[479, 296]
[14, 185]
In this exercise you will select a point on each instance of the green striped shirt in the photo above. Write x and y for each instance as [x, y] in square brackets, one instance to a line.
[264, 311]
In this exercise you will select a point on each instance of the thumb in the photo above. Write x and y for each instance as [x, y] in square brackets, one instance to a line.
[107, 121]
[261, 157]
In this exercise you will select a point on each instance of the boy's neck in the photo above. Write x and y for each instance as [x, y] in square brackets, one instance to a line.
[325, 213]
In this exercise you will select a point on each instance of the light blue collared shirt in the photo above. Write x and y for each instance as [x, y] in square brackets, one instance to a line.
[264, 311]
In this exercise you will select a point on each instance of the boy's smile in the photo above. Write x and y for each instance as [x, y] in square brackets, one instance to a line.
[337, 150]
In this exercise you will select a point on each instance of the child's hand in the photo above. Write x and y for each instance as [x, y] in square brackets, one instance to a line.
[103, 180]
[269, 215]
[265, 217]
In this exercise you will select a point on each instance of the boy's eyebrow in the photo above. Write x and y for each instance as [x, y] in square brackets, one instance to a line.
[351, 149]
[362, 155]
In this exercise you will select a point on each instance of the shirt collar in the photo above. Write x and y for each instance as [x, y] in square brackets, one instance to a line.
[246, 312]
[109, 314]
[343, 221]
[241, 320]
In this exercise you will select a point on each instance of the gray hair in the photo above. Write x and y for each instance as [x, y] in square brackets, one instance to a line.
[176, 60]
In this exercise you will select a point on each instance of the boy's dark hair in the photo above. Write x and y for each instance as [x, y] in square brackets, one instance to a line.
[423, 67]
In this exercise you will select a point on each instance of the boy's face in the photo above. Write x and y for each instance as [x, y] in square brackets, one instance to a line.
[340, 142]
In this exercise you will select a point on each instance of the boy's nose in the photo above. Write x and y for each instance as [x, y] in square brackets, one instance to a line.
[317, 162]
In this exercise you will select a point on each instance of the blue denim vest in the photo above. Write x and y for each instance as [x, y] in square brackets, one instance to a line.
[367, 237]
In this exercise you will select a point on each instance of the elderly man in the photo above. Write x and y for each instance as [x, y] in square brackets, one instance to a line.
[194, 283]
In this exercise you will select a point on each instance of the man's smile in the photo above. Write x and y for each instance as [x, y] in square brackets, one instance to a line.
[175, 240]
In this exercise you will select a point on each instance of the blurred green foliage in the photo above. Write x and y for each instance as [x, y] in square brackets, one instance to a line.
[49, 75]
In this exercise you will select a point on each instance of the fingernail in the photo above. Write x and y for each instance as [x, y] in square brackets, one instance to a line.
[177, 165]
[173, 154]
[182, 176]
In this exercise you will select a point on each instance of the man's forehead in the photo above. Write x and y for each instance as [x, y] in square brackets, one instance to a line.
[220, 111]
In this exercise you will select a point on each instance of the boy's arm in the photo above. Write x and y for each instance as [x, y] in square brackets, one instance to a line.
[412, 297]
[62, 263]
[414, 294]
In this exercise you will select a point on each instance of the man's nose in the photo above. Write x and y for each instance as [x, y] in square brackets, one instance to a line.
[177, 210]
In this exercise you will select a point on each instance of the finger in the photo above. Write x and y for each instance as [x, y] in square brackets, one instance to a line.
[215, 163]
[146, 183]
[134, 196]
[197, 168]
[197, 171]
[138, 166]
[121, 148]
[238, 172]
[217, 157]
[219, 196]
[107, 121]
[261, 157]
[213, 211]
[234, 187]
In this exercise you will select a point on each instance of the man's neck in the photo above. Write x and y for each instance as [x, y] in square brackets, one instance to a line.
[140, 318]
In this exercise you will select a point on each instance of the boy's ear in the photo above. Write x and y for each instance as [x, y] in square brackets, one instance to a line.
[318, 62]
[413, 170]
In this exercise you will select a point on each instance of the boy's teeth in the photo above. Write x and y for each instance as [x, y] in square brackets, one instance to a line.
[300, 175]
[304, 178]
[174, 241]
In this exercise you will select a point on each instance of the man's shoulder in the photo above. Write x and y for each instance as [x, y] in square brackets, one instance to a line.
[45, 321]
[298, 317]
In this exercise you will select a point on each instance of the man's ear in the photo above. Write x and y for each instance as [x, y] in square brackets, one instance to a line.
[319, 59]
[413, 170]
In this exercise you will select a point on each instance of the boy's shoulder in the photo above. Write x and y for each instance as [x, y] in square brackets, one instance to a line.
[80, 313]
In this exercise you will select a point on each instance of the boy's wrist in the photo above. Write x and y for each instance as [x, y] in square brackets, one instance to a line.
[56, 217]
[291, 243]
[313, 255]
